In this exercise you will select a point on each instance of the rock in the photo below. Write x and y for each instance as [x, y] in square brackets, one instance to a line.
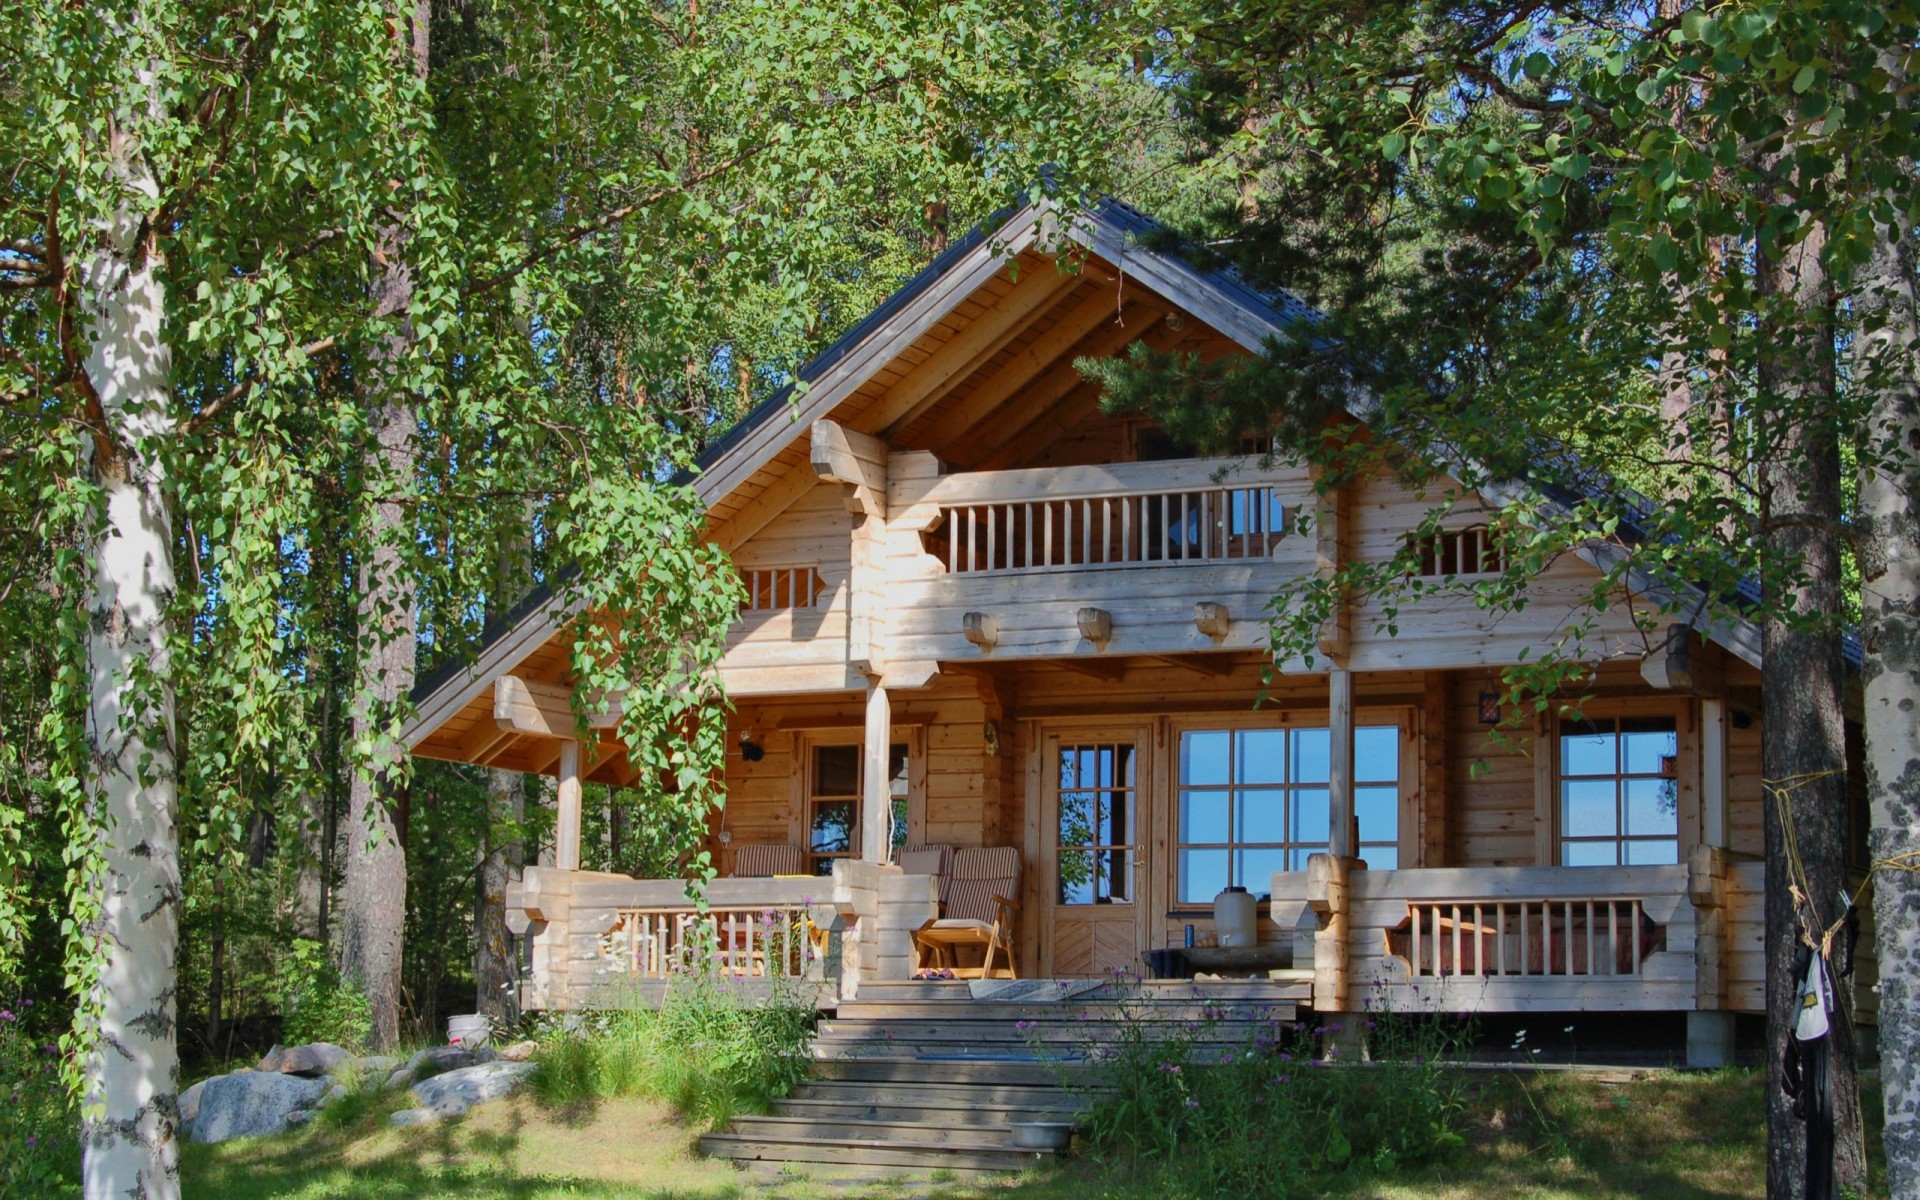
[251, 1104]
[456, 1091]
[272, 1061]
[432, 1061]
[315, 1058]
[484, 1054]
[376, 1064]
[519, 1051]
[337, 1092]
[411, 1116]
[190, 1103]
[299, 1116]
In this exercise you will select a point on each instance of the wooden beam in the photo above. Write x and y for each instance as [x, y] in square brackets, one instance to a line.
[1202, 664]
[486, 740]
[1108, 669]
[856, 460]
[543, 709]
[1032, 361]
[1095, 625]
[1213, 620]
[980, 629]
[1332, 520]
[969, 348]
[1342, 837]
[1713, 772]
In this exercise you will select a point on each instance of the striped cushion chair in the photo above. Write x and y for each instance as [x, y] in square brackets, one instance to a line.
[766, 860]
[977, 909]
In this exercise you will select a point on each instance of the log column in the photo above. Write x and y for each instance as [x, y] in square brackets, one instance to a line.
[566, 827]
[876, 799]
[1343, 840]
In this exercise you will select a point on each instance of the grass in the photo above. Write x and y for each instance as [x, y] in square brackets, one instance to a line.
[1548, 1137]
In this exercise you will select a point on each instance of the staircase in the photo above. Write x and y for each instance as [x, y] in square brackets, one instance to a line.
[922, 1077]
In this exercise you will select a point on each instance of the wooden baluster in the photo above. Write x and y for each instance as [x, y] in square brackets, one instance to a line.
[1414, 957]
[1590, 930]
[1523, 936]
[1126, 527]
[1046, 539]
[1479, 942]
[1633, 915]
[1613, 937]
[1166, 527]
[1086, 532]
[1028, 506]
[1106, 529]
[1500, 932]
[993, 526]
[1456, 939]
[1566, 909]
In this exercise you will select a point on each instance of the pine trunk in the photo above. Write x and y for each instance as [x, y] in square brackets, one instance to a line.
[1890, 602]
[1805, 755]
[130, 1145]
[497, 998]
[374, 891]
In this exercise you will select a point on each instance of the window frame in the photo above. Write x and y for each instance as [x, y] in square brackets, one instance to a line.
[1136, 798]
[1549, 774]
[803, 796]
[1406, 833]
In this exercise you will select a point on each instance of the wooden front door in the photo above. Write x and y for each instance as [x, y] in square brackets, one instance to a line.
[1094, 868]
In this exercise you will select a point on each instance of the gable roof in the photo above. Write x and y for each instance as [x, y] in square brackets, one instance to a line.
[1110, 230]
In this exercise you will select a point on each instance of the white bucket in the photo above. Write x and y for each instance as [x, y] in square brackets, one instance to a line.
[468, 1031]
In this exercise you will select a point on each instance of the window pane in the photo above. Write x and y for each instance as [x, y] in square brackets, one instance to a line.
[1587, 854]
[897, 782]
[1586, 751]
[1102, 765]
[1203, 757]
[1076, 818]
[1376, 754]
[1262, 755]
[1253, 869]
[832, 827]
[1310, 748]
[1113, 876]
[1587, 808]
[1653, 853]
[1378, 811]
[836, 770]
[1203, 817]
[1648, 752]
[1261, 815]
[1652, 807]
[1381, 858]
[1298, 856]
[1076, 877]
[1123, 766]
[1310, 817]
[1202, 874]
[1069, 769]
[1116, 819]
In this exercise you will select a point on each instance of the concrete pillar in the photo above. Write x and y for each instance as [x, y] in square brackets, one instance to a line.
[1709, 1039]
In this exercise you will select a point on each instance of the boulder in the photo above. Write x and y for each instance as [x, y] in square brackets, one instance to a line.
[376, 1064]
[411, 1116]
[433, 1061]
[313, 1059]
[251, 1104]
[337, 1092]
[519, 1051]
[456, 1091]
[299, 1116]
[190, 1104]
[272, 1061]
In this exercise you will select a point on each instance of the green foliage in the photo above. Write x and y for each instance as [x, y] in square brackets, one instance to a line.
[709, 1050]
[39, 1152]
[318, 1005]
[1203, 1116]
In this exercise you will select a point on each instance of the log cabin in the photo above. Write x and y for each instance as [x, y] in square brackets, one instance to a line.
[982, 612]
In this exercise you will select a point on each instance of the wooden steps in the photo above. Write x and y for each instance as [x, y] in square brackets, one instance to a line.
[920, 1077]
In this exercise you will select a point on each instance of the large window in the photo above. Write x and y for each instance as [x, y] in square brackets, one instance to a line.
[1097, 786]
[834, 788]
[1255, 801]
[1619, 794]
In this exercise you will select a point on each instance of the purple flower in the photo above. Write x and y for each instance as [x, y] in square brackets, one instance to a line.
[7, 1016]
[1282, 1079]
[1170, 1068]
[32, 1141]
[1285, 1057]
[1192, 1103]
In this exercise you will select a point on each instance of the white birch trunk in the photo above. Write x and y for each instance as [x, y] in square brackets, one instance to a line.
[1890, 603]
[130, 1146]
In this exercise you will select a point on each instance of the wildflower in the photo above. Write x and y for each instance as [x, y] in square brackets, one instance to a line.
[1568, 1029]
[1170, 1068]
[1285, 1057]
[1372, 1024]
[1192, 1103]
[32, 1141]
[1282, 1079]
[5, 1015]
[1023, 1026]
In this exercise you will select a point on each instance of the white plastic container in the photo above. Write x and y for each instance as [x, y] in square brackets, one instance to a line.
[1236, 918]
[469, 1031]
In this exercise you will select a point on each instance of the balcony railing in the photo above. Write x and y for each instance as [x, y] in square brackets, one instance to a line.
[1211, 525]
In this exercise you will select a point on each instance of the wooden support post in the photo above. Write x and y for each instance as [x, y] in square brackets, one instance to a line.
[876, 800]
[566, 826]
[1342, 837]
[1332, 517]
[1713, 771]
[1327, 900]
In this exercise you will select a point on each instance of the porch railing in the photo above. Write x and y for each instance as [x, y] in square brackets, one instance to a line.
[1202, 526]
[1539, 937]
[756, 942]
